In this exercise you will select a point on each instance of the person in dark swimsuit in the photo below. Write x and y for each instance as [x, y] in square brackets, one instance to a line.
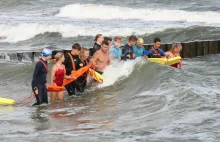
[84, 61]
[58, 74]
[39, 78]
[97, 45]
[72, 64]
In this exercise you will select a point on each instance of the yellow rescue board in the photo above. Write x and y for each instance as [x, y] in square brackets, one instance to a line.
[164, 61]
[95, 75]
[5, 101]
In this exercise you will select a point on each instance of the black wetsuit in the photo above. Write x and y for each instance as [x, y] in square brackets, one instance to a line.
[127, 50]
[71, 88]
[39, 81]
[95, 48]
[81, 81]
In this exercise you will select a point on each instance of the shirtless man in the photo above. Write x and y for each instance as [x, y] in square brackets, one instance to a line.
[101, 58]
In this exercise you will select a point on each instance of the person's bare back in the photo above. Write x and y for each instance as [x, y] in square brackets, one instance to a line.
[101, 58]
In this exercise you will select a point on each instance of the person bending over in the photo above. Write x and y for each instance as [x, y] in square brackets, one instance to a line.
[174, 52]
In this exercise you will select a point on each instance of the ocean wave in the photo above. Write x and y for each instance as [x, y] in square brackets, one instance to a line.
[25, 31]
[92, 11]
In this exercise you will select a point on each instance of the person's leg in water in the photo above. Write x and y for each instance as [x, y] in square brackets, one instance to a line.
[60, 96]
[80, 84]
[39, 97]
[44, 94]
[53, 96]
[70, 89]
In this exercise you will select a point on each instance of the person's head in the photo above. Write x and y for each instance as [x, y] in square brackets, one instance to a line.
[140, 42]
[108, 39]
[59, 57]
[84, 54]
[46, 54]
[76, 49]
[176, 48]
[99, 38]
[117, 41]
[132, 40]
[156, 43]
[105, 46]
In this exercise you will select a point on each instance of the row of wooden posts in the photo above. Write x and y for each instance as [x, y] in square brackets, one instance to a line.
[190, 50]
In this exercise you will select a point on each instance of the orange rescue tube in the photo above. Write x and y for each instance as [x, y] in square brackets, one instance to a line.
[51, 88]
[76, 74]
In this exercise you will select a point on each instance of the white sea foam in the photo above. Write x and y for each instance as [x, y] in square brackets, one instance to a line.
[20, 32]
[119, 70]
[92, 11]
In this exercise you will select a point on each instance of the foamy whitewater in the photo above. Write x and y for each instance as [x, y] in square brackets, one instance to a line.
[138, 100]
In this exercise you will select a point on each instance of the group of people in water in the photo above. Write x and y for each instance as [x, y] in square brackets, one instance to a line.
[99, 57]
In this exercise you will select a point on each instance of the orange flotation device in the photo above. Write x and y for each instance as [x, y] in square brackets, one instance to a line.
[51, 88]
[76, 74]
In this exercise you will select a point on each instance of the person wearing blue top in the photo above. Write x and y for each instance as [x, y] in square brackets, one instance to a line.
[40, 78]
[139, 48]
[155, 51]
[115, 50]
[127, 50]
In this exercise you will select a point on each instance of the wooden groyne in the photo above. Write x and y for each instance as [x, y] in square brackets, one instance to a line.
[194, 49]
[190, 50]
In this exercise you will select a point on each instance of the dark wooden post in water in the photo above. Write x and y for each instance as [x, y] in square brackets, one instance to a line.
[190, 50]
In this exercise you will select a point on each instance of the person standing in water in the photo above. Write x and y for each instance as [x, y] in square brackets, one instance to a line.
[84, 61]
[97, 45]
[101, 59]
[127, 50]
[139, 48]
[116, 51]
[155, 51]
[72, 64]
[39, 78]
[58, 74]
[174, 52]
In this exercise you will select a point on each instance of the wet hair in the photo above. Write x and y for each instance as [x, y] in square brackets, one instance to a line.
[97, 36]
[117, 38]
[156, 40]
[140, 41]
[83, 50]
[132, 38]
[105, 42]
[107, 38]
[58, 56]
[76, 46]
[175, 45]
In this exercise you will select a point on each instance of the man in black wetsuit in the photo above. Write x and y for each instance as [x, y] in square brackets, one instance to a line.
[39, 78]
[72, 64]
[127, 50]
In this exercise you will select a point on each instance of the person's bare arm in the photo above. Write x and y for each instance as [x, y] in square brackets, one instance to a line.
[53, 71]
[94, 59]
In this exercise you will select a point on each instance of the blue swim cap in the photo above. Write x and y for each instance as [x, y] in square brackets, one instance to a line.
[46, 52]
